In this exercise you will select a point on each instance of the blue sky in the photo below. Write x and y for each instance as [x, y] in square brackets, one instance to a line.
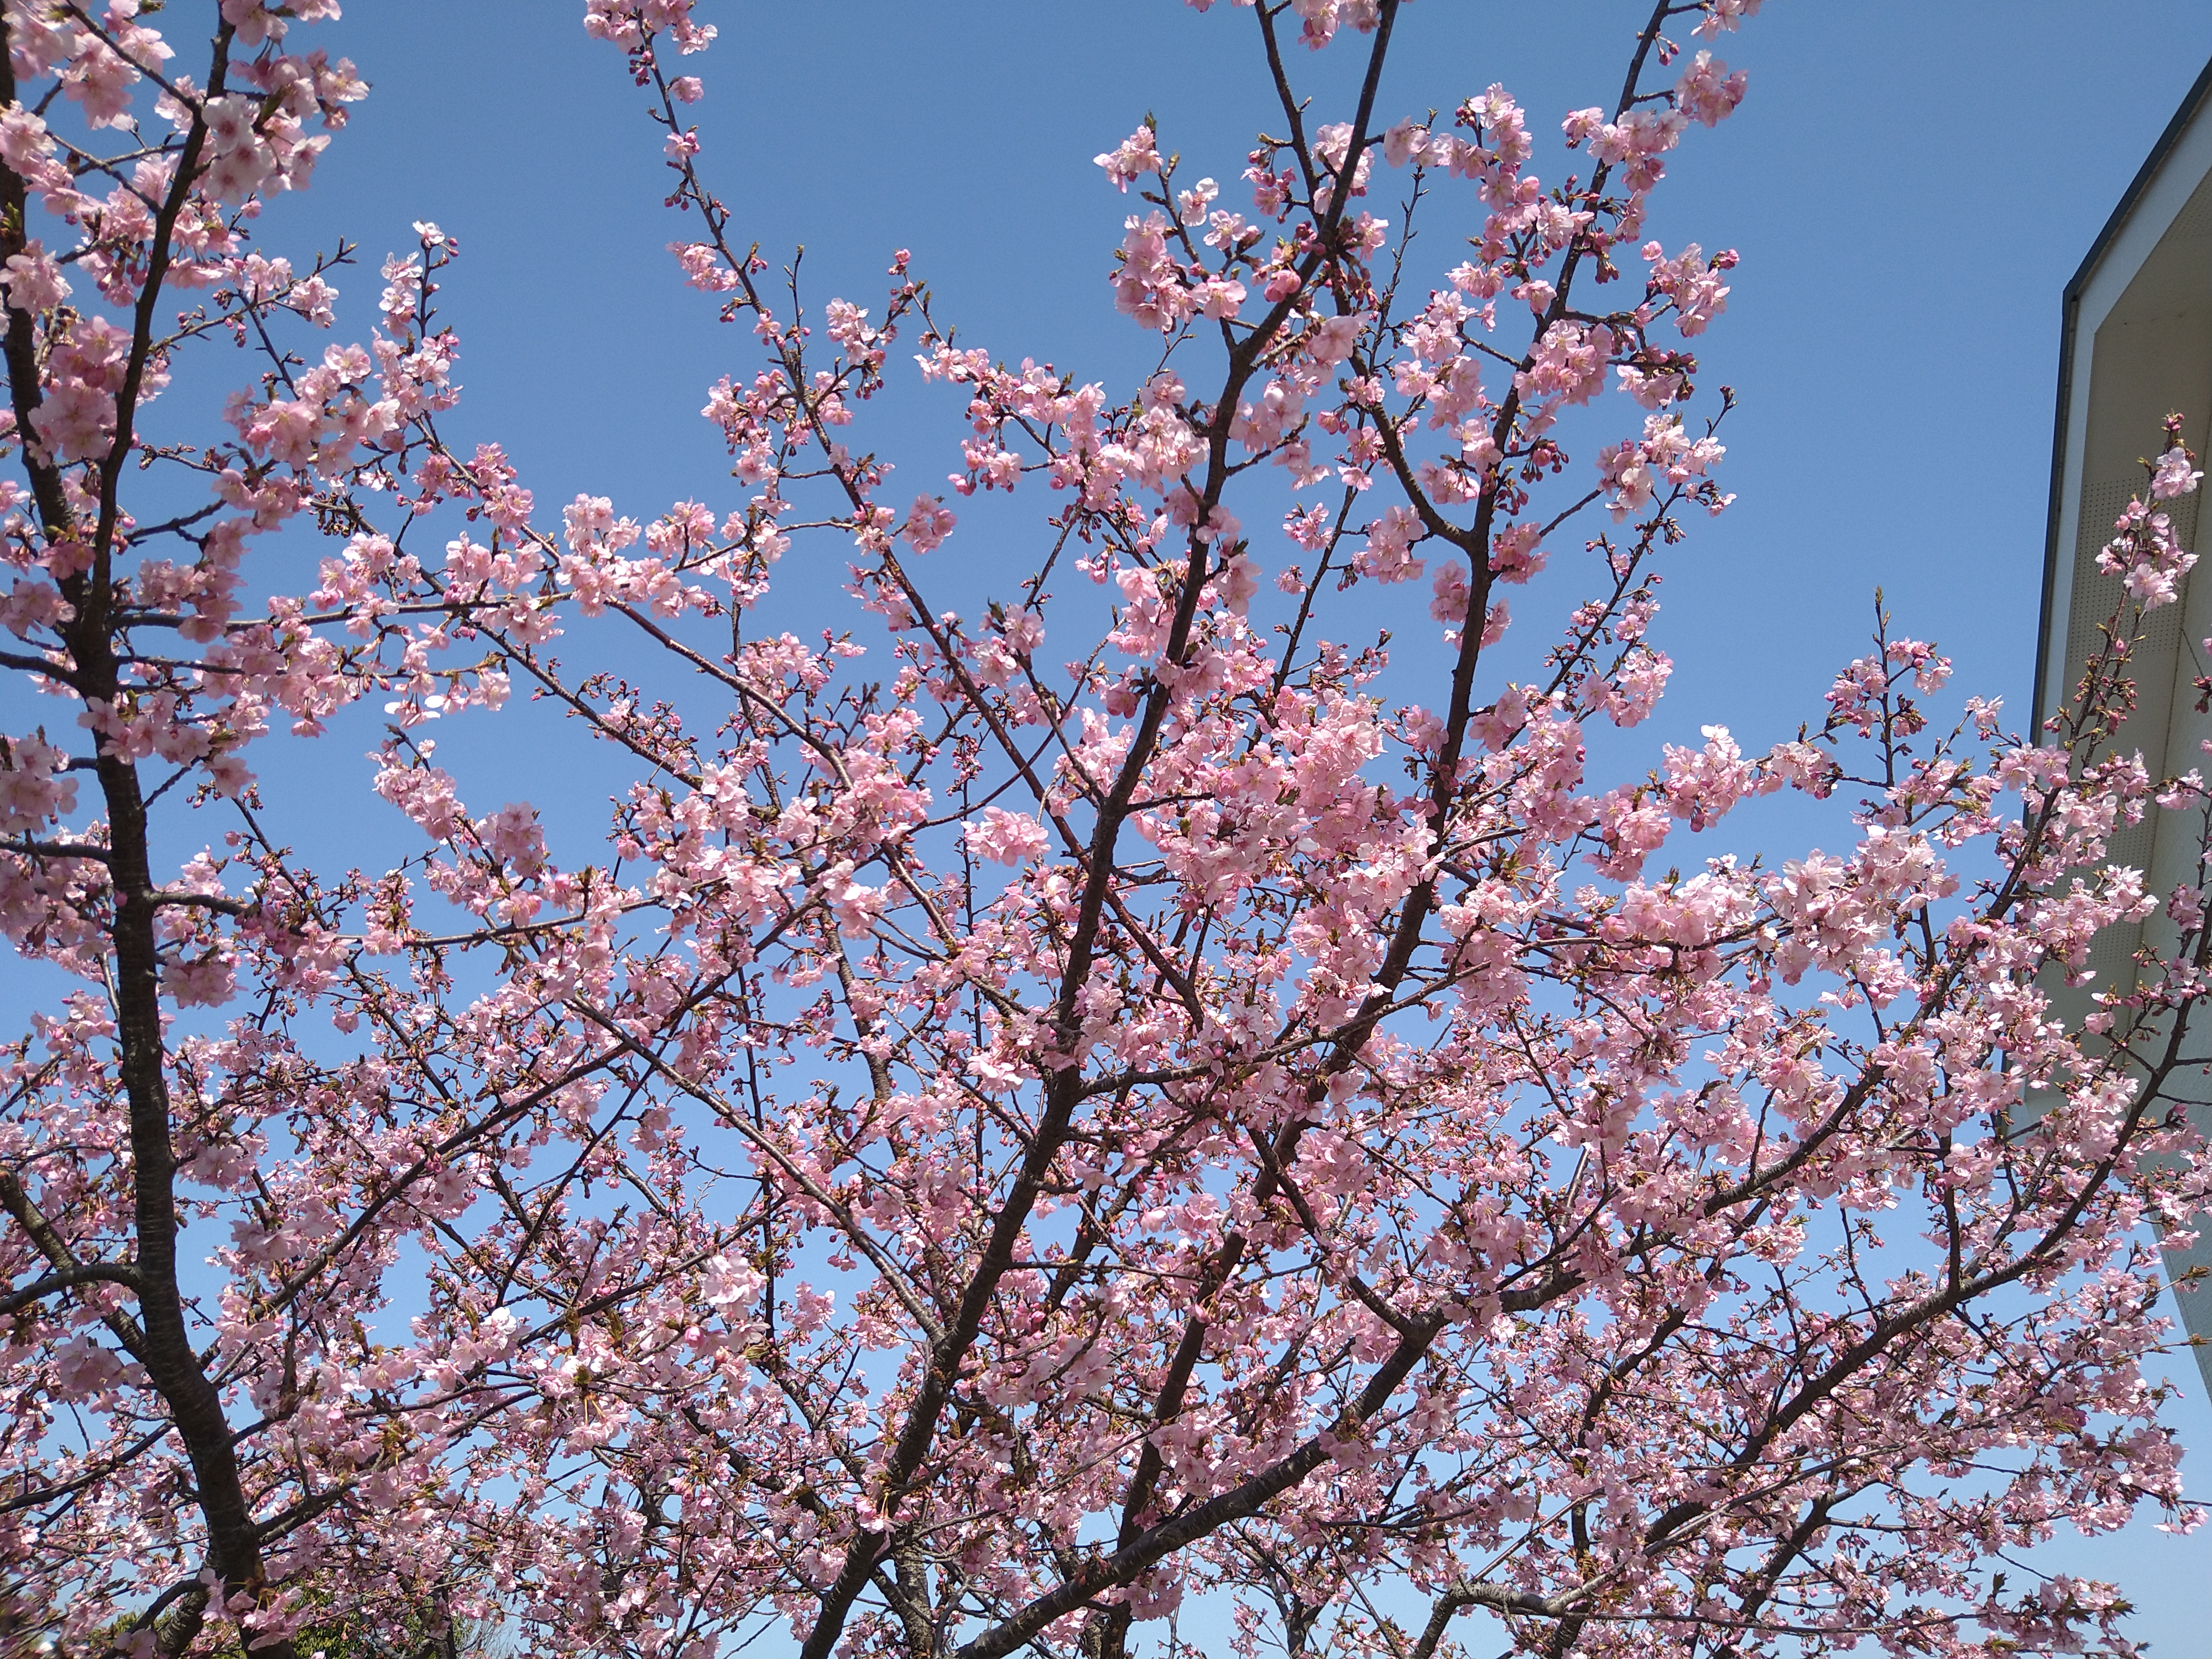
[1910, 185]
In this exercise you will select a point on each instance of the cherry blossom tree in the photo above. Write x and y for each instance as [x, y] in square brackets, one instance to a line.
[989, 1144]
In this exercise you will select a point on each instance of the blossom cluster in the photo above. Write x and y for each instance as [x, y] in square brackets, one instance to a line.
[978, 1152]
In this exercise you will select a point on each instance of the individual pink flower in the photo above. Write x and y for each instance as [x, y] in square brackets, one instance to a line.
[1131, 159]
[76, 421]
[1707, 91]
[2173, 475]
[33, 281]
[1006, 837]
[929, 522]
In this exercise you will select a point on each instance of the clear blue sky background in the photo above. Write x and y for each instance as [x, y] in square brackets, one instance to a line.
[1910, 185]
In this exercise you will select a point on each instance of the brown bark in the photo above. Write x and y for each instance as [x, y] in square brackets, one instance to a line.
[165, 1346]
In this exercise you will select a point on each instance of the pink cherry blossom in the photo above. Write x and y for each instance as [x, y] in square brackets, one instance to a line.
[913, 1143]
[927, 524]
[1131, 159]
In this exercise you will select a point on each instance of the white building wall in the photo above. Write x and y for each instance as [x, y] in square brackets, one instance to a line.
[2140, 346]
